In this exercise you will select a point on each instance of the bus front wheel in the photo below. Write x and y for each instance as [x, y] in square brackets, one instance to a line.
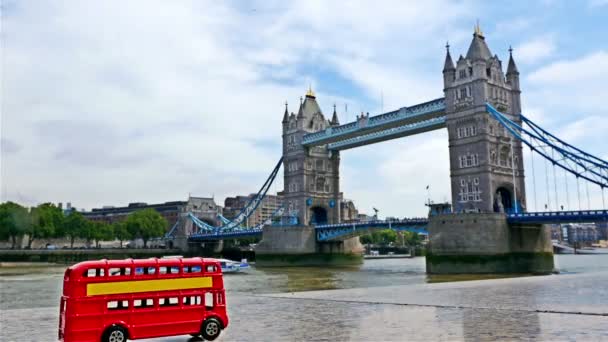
[114, 333]
[211, 329]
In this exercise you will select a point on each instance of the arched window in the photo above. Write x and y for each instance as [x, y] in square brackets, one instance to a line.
[320, 184]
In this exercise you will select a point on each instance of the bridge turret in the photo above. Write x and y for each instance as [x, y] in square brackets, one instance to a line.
[311, 175]
[513, 81]
[483, 163]
[334, 118]
[449, 71]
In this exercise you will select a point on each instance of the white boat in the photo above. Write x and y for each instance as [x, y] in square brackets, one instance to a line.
[231, 266]
[588, 250]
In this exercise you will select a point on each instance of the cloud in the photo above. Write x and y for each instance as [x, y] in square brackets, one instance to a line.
[590, 68]
[114, 102]
[535, 50]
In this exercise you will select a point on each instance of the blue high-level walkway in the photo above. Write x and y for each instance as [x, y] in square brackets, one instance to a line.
[366, 130]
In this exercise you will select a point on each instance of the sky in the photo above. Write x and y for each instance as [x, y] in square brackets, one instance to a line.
[112, 102]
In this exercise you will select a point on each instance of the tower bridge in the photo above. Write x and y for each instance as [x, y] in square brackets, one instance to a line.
[489, 220]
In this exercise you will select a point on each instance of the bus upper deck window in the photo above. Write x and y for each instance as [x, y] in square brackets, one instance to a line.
[174, 270]
[94, 272]
[119, 271]
[210, 268]
[145, 270]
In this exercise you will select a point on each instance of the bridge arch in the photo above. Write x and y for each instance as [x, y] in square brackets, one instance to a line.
[318, 215]
[503, 198]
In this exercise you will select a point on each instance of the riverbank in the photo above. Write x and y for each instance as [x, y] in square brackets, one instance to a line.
[69, 256]
[529, 308]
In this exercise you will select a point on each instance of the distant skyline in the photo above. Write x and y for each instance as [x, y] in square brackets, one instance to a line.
[112, 102]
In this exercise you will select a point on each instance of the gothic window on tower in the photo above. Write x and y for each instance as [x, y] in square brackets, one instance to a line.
[463, 93]
[320, 184]
[470, 71]
[319, 166]
[462, 74]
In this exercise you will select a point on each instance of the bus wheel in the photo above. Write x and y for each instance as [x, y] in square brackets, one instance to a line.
[211, 329]
[114, 333]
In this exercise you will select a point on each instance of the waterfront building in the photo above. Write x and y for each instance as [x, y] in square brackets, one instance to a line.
[270, 204]
[585, 233]
[204, 208]
[348, 211]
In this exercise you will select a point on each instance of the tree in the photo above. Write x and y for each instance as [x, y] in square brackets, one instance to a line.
[74, 226]
[146, 224]
[120, 232]
[47, 222]
[101, 232]
[366, 239]
[15, 220]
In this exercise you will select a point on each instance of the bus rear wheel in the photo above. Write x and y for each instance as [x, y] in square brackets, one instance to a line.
[114, 333]
[211, 329]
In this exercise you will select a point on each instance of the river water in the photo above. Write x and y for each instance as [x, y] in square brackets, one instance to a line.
[384, 299]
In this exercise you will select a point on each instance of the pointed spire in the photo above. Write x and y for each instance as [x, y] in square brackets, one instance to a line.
[512, 68]
[478, 48]
[310, 93]
[334, 118]
[448, 65]
[286, 115]
[301, 110]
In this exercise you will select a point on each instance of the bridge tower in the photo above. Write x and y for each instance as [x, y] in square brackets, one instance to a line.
[486, 163]
[311, 175]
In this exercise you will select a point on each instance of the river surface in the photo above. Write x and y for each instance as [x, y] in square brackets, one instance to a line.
[384, 299]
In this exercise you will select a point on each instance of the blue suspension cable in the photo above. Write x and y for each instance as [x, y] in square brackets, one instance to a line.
[578, 190]
[588, 199]
[533, 178]
[555, 182]
[567, 194]
[547, 188]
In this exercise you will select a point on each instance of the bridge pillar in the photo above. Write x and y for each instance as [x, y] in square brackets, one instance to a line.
[298, 246]
[486, 162]
[311, 175]
[486, 243]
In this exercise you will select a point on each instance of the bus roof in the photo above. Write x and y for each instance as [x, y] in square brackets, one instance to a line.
[140, 262]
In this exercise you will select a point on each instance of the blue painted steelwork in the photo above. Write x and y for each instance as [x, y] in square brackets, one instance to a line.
[341, 231]
[559, 153]
[389, 133]
[401, 117]
[588, 216]
[246, 212]
[223, 219]
[227, 234]
[244, 233]
[169, 234]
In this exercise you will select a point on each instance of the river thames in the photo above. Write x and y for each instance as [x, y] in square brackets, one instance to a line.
[383, 300]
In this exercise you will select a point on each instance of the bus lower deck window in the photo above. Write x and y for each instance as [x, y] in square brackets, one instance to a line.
[168, 301]
[117, 304]
[192, 300]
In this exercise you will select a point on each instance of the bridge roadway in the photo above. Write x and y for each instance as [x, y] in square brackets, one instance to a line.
[341, 231]
[406, 121]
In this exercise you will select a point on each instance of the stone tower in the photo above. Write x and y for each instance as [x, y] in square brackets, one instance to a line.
[486, 164]
[311, 175]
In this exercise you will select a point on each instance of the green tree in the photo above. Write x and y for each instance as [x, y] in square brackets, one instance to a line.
[47, 222]
[74, 226]
[366, 239]
[15, 220]
[101, 232]
[146, 224]
[120, 232]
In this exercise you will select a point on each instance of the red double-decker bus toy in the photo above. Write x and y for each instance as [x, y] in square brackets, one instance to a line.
[116, 300]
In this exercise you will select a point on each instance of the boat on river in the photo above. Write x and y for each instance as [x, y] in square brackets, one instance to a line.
[231, 266]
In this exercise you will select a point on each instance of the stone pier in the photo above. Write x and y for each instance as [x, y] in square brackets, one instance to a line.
[298, 246]
[486, 243]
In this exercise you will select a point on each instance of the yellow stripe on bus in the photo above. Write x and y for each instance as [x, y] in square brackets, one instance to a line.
[137, 286]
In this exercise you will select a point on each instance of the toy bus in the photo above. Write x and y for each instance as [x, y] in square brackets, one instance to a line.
[116, 300]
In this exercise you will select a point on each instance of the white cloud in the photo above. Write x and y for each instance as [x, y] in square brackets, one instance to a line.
[591, 68]
[535, 50]
[113, 102]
